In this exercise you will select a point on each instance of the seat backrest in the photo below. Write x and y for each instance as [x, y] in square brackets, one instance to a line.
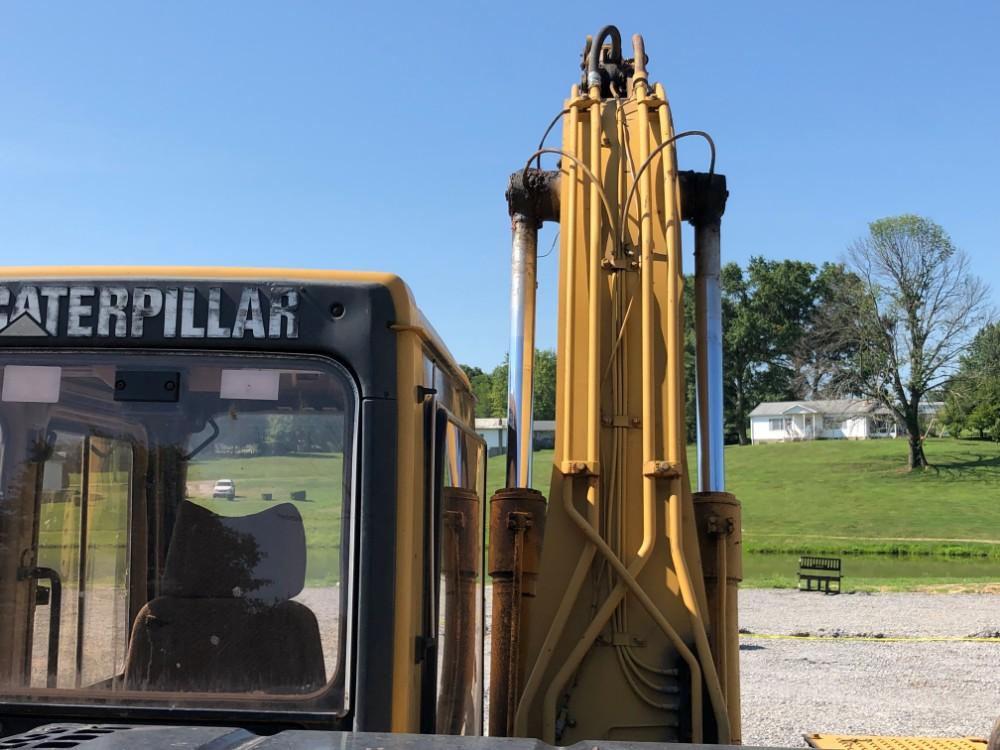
[224, 621]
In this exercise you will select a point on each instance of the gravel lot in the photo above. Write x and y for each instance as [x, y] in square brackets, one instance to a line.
[791, 687]
[794, 686]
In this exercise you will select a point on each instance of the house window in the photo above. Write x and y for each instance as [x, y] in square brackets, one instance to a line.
[881, 424]
[779, 423]
[833, 423]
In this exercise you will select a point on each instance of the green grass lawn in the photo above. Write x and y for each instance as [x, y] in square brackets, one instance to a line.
[858, 495]
[856, 498]
[541, 472]
[836, 497]
[853, 493]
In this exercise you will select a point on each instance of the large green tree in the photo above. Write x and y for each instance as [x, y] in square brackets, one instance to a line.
[481, 385]
[919, 306]
[765, 312]
[690, 395]
[771, 313]
[972, 400]
[823, 361]
[304, 433]
[545, 384]
[490, 388]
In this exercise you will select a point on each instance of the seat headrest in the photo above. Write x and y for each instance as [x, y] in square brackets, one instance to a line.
[260, 557]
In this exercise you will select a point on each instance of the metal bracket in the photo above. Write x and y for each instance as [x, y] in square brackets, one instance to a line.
[423, 392]
[611, 263]
[621, 420]
[423, 648]
[661, 470]
[719, 526]
[580, 468]
[703, 197]
[624, 639]
[453, 519]
[519, 521]
[534, 193]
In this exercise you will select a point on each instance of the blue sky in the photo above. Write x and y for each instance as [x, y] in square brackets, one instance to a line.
[381, 137]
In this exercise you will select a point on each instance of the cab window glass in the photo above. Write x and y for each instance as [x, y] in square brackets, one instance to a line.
[261, 460]
[81, 570]
[178, 527]
[460, 620]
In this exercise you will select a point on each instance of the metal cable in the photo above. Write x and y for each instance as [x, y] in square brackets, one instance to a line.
[551, 247]
[649, 160]
[665, 671]
[645, 680]
[659, 705]
[586, 171]
[541, 143]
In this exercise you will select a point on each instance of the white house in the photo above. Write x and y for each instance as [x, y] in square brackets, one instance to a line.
[494, 432]
[851, 419]
[840, 419]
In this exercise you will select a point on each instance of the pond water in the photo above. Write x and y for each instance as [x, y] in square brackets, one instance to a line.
[880, 566]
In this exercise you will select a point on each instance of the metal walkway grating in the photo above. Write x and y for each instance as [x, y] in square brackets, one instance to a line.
[872, 742]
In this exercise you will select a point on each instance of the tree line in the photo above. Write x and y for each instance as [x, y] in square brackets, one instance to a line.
[490, 388]
[901, 320]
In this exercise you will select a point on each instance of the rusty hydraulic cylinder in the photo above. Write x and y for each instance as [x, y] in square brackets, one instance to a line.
[517, 526]
[532, 198]
[717, 515]
[460, 558]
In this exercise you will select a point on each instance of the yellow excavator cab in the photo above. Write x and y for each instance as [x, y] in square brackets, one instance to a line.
[335, 579]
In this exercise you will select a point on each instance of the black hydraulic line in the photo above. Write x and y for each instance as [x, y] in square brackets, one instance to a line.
[594, 60]
[541, 143]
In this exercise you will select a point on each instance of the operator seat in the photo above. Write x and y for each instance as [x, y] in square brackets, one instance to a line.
[225, 622]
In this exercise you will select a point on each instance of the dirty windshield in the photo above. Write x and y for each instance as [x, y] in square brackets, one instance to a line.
[173, 528]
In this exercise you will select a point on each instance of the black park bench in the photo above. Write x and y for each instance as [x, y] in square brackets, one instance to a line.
[819, 570]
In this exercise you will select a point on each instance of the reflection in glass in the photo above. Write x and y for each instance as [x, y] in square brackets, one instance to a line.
[136, 581]
[459, 706]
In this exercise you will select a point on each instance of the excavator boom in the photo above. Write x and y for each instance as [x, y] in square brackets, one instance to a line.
[628, 629]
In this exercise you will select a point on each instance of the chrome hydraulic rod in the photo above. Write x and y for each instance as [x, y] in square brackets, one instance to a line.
[704, 198]
[524, 258]
[708, 363]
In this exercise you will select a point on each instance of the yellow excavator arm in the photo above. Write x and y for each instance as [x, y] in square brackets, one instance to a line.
[624, 625]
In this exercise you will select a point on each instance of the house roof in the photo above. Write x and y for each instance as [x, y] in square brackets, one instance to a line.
[500, 423]
[829, 406]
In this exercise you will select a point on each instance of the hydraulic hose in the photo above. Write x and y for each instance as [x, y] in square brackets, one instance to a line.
[594, 59]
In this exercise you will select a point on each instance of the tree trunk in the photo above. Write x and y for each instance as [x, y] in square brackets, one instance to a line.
[741, 418]
[917, 459]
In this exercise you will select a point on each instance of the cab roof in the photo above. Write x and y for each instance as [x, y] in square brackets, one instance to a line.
[408, 315]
